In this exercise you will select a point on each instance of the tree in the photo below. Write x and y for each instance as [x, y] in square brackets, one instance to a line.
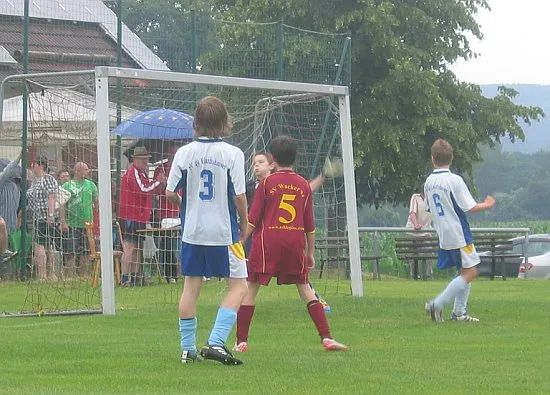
[404, 94]
[165, 26]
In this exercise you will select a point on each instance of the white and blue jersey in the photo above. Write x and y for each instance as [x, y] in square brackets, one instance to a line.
[448, 199]
[211, 173]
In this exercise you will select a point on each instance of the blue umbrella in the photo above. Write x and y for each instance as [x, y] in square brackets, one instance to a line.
[161, 123]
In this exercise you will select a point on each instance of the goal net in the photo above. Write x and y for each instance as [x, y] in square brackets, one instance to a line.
[86, 130]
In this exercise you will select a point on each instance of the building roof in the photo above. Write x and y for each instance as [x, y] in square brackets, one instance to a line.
[91, 11]
[67, 35]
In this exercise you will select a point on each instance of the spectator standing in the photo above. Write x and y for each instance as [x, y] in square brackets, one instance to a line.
[167, 242]
[63, 176]
[10, 172]
[136, 194]
[9, 203]
[41, 197]
[419, 218]
[79, 210]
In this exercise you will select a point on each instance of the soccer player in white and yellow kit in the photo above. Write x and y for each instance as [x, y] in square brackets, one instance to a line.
[449, 199]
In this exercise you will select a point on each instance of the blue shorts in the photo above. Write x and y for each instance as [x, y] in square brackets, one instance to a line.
[213, 261]
[465, 257]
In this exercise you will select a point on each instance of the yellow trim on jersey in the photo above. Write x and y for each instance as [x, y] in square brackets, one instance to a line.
[468, 249]
[238, 250]
[251, 225]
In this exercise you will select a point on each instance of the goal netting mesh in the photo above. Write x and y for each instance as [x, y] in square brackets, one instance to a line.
[62, 269]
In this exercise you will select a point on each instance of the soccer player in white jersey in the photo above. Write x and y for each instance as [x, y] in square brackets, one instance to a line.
[210, 173]
[449, 199]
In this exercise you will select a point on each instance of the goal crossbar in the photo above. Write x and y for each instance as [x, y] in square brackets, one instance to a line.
[167, 76]
[103, 83]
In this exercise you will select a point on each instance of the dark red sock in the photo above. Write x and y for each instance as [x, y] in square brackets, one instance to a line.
[317, 314]
[244, 319]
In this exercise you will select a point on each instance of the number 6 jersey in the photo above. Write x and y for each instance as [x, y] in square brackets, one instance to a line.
[211, 173]
[448, 199]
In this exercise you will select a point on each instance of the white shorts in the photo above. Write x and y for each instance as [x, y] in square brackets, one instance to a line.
[465, 257]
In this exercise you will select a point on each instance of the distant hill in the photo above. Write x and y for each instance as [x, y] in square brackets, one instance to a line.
[537, 136]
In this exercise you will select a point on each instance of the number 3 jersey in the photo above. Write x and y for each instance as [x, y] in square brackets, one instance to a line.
[282, 212]
[211, 173]
[448, 199]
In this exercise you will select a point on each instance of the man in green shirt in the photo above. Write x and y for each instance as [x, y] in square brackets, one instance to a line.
[79, 210]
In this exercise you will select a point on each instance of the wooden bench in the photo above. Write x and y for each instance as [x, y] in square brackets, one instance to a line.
[423, 247]
[336, 249]
[417, 248]
[499, 246]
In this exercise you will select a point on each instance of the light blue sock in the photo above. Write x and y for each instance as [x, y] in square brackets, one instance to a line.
[454, 288]
[461, 301]
[225, 320]
[188, 332]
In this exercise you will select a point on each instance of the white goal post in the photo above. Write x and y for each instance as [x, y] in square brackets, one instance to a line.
[63, 110]
[103, 74]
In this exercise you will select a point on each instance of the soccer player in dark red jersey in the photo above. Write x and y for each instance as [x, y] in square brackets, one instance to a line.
[283, 227]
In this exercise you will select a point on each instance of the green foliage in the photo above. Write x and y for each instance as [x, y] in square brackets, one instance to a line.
[404, 95]
[519, 182]
[393, 346]
[385, 215]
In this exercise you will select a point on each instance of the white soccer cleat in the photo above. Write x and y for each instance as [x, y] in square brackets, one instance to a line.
[333, 345]
[464, 317]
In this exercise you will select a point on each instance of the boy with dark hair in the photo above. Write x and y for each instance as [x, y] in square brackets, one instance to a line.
[449, 199]
[282, 213]
[210, 173]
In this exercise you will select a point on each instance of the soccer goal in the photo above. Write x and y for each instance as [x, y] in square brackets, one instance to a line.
[112, 118]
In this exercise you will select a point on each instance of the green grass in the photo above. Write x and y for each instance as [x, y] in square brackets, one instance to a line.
[394, 347]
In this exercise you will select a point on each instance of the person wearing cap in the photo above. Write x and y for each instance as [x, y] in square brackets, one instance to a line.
[136, 197]
[41, 198]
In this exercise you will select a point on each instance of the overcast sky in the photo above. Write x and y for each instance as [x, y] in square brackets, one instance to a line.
[516, 47]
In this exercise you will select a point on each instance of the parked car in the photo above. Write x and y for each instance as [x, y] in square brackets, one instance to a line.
[537, 267]
[539, 246]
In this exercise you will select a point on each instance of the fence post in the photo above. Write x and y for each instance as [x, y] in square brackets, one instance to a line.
[526, 249]
[118, 151]
[280, 50]
[25, 126]
[193, 41]
[375, 271]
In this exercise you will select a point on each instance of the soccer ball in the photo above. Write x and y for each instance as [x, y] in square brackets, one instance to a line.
[333, 167]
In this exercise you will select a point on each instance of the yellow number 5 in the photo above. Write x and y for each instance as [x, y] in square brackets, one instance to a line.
[289, 208]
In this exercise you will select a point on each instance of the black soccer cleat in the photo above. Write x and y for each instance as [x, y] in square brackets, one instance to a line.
[220, 354]
[187, 357]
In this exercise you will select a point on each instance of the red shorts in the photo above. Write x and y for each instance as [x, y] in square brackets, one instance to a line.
[280, 258]
[282, 278]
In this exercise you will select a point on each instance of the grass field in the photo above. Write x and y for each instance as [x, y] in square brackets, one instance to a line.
[394, 347]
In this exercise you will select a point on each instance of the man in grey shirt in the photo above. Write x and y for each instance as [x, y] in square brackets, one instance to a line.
[9, 203]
